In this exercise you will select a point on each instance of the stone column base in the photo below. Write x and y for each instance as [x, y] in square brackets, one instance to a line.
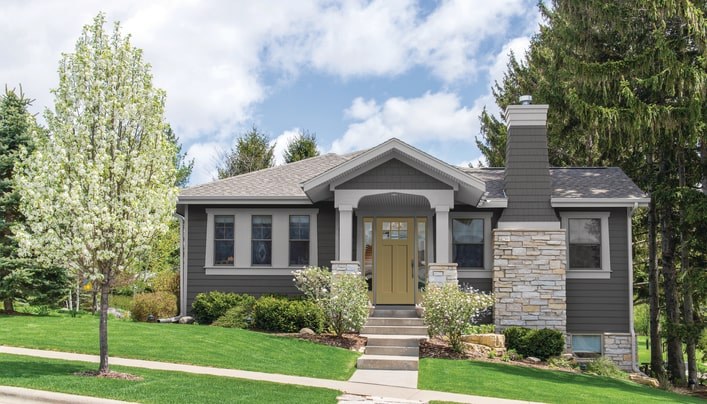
[442, 273]
[345, 267]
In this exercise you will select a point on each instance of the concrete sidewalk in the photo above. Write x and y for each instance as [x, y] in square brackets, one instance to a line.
[357, 388]
[19, 395]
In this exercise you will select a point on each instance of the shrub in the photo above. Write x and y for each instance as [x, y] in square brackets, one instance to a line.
[313, 282]
[542, 344]
[449, 310]
[514, 338]
[284, 315]
[343, 299]
[236, 317]
[603, 366]
[166, 281]
[158, 304]
[480, 329]
[562, 363]
[346, 308]
[641, 321]
[207, 307]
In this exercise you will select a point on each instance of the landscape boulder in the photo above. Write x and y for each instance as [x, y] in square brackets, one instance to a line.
[186, 320]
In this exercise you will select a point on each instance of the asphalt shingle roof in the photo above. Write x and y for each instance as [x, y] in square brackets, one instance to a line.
[284, 181]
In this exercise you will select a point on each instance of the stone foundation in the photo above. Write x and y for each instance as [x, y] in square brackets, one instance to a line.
[617, 347]
[440, 274]
[529, 279]
[345, 267]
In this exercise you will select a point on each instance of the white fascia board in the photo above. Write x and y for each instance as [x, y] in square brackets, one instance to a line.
[385, 147]
[233, 200]
[598, 202]
[493, 203]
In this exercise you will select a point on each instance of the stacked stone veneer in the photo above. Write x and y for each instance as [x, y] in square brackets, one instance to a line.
[617, 347]
[529, 279]
[345, 267]
[440, 274]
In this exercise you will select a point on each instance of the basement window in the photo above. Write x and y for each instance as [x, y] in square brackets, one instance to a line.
[586, 346]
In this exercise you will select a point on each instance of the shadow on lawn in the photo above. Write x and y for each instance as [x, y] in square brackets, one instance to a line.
[25, 368]
[562, 378]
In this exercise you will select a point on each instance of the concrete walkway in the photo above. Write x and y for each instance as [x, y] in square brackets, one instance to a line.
[356, 388]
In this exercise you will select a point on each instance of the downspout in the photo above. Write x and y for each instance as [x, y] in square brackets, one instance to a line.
[629, 229]
[182, 275]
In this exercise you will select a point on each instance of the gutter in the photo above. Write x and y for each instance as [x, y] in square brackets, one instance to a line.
[629, 229]
[182, 275]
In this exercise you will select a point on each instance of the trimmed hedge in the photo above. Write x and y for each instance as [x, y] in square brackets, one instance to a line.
[285, 315]
[236, 317]
[207, 307]
[542, 344]
[159, 304]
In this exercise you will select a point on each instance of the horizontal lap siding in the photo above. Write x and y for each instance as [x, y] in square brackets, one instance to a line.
[199, 282]
[602, 305]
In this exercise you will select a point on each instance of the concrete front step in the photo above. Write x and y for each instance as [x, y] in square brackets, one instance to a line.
[387, 362]
[394, 340]
[398, 313]
[395, 330]
[393, 350]
[394, 321]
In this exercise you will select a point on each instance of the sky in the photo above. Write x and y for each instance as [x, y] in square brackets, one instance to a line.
[355, 73]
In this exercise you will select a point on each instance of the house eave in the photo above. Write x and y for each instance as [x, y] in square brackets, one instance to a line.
[599, 202]
[243, 200]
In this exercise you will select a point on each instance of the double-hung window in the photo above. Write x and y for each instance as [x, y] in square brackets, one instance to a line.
[224, 230]
[468, 242]
[587, 244]
[299, 240]
[261, 240]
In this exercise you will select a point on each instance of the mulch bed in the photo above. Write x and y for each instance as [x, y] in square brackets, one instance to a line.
[353, 342]
[440, 349]
[110, 375]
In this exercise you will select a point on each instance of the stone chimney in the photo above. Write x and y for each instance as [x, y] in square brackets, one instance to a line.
[527, 176]
[530, 253]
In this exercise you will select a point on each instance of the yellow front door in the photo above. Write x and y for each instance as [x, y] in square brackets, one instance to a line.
[395, 276]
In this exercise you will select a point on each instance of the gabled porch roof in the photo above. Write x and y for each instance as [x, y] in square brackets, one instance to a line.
[467, 188]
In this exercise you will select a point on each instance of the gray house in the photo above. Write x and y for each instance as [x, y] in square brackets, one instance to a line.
[553, 244]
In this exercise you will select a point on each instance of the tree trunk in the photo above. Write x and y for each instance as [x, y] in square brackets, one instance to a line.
[654, 295]
[676, 363]
[8, 305]
[103, 329]
[688, 306]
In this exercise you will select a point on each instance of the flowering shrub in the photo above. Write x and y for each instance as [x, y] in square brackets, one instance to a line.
[346, 308]
[449, 309]
[313, 282]
[343, 298]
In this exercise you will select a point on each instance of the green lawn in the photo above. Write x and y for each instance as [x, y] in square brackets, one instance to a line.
[157, 386]
[523, 383]
[190, 344]
[644, 354]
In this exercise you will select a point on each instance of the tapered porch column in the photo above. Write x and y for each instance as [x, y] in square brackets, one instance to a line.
[442, 234]
[345, 232]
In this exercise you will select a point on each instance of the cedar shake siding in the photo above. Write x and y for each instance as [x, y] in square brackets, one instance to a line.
[393, 174]
[602, 305]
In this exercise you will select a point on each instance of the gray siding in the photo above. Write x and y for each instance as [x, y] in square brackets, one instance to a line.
[199, 282]
[527, 176]
[602, 305]
[393, 174]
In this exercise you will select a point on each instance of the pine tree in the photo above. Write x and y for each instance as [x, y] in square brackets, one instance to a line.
[251, 152]
[302, 147]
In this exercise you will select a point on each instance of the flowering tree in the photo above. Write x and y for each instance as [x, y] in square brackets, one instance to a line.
[100, 187]
[449, 309]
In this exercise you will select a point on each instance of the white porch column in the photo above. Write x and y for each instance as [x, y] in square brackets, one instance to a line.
[442, 234]
[345, 232]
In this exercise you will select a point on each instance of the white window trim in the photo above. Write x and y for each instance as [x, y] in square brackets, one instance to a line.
[605, 271]
[486, 271]
[588, 334]
[242, 239]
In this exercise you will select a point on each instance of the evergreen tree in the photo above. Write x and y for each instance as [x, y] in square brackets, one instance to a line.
[184, 167]
[302, 147]
[626, 86]
[16, 126]
[252, 152]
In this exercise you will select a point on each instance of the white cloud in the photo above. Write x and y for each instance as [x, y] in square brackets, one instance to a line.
[206, 159]
[361, 109]
[281, 143]
[431, 118]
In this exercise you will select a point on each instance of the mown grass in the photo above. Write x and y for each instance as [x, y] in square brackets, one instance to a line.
[156, 386]
[177, 343]
[644, 354]
[524, 383]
